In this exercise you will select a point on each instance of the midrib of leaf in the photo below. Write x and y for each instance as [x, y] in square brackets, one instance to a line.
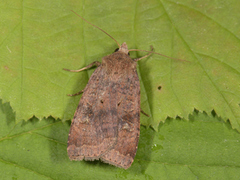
[199, 62]
[22, 60]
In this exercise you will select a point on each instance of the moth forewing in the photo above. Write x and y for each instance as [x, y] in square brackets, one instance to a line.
[106, 123]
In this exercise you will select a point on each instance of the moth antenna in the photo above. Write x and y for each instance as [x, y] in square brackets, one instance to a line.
[158, 54]
[98, 28]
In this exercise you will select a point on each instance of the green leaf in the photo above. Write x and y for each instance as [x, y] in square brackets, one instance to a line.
[39, 38]
[203, 148]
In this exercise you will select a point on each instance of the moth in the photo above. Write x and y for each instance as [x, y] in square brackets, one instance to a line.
[106, 124]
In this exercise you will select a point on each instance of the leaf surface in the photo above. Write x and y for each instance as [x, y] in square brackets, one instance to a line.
[39, 38]
[203, 148]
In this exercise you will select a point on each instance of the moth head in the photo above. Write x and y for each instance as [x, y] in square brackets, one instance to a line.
[124, 48]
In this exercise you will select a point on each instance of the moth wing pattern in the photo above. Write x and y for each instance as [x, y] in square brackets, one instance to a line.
[106, 124]
[90, 134]
[128, 110]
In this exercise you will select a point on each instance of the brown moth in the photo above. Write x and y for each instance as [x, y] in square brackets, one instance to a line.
[106, 124]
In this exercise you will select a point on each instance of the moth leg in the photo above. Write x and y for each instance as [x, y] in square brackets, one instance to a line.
[138, 59]
[80, 92]
[95, 63]
[144, 113]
